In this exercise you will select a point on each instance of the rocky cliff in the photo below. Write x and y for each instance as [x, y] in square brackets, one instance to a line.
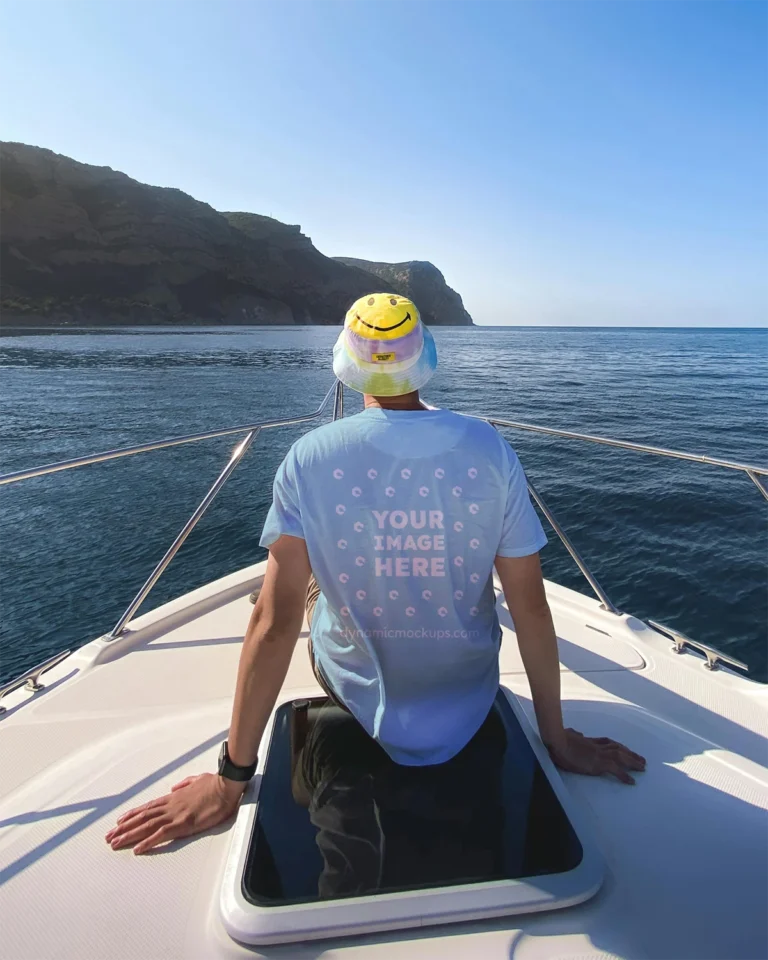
[81, 244]
[423, 283]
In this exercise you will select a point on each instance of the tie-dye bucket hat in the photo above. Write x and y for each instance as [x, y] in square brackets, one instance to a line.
[384, 349]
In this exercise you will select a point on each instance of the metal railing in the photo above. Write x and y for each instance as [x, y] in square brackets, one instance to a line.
[754, 473]
[712, 654]
[30, 678]
[681, 642]
[237, 455]
[161, 445]
[251, 430]
[338, 401]
[591, 579]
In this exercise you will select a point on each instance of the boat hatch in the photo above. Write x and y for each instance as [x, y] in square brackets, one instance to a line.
[338, 839]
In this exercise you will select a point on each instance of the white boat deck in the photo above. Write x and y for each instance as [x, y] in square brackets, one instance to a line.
[686, 849]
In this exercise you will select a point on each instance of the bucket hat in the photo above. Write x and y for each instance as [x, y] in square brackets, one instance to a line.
[384, 349]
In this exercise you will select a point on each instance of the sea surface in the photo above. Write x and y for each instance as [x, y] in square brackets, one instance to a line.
[683, 543]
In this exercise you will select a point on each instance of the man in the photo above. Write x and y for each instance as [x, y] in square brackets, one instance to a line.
[400, 513]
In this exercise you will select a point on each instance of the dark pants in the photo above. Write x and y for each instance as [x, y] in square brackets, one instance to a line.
[384, 826]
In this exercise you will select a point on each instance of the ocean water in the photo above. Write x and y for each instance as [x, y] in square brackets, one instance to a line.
[683, 543]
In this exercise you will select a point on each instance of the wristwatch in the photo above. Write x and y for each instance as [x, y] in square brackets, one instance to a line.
[230, 770]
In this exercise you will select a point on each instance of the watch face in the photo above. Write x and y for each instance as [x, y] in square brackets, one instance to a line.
[222, 754]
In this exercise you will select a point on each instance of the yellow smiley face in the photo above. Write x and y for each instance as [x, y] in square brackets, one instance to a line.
[382, 316]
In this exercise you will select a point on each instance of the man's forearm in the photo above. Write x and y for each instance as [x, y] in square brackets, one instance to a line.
[264, 662]
[537, 641]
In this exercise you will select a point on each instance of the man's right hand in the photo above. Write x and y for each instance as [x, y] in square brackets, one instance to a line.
[595, 756]
[194, 805]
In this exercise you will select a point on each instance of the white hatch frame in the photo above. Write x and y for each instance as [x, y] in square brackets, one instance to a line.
[252, 924]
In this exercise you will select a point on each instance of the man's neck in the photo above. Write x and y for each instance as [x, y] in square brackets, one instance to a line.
[408, 401]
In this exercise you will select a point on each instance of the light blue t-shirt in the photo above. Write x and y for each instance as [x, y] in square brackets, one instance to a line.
[403, 512]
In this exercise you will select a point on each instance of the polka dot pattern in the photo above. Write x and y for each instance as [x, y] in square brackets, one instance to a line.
[398, 598]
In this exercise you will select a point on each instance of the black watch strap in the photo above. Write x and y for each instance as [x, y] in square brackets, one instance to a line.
[232, 771]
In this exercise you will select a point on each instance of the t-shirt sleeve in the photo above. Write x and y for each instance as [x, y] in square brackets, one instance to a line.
[521, 533]
[284, 515]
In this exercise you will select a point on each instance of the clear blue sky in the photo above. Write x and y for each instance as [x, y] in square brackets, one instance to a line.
[561, 162]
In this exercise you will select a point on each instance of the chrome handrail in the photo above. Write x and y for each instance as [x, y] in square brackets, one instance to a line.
[337, 391]
[338, 401]
[681, 641]
[31, 678]
[237, 455]
[578, 559]
[161, 444]
[758, 482]
[750, 470]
